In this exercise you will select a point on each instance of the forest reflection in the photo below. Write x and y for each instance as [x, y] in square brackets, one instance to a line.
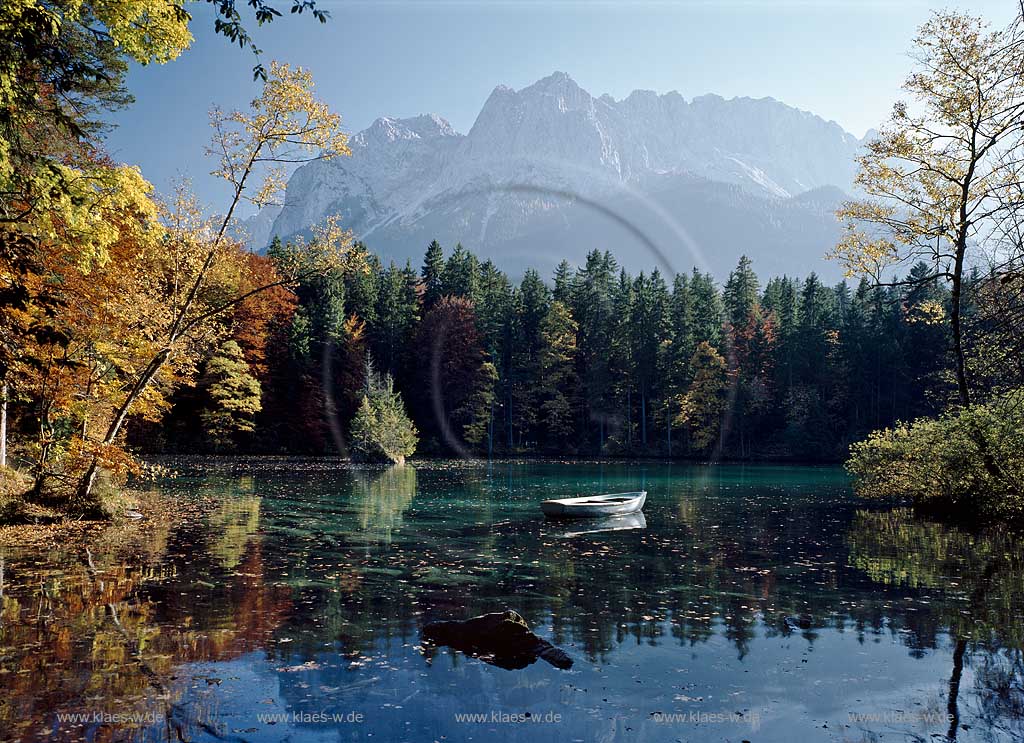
[297, 571]
[981, 577]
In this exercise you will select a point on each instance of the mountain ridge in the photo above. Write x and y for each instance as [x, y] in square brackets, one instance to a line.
[551, 149]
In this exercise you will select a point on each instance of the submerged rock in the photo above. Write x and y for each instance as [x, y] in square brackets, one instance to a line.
[502, 639]
[801, 621]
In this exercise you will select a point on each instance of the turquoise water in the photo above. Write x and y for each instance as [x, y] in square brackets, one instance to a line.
[757, 603]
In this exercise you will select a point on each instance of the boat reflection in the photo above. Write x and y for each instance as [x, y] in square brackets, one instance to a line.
[597, 526]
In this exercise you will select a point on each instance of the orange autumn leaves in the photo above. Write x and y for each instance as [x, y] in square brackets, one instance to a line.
[117, 299]
[111, 319]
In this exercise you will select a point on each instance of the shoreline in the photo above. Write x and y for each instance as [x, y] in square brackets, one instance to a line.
[159, 511]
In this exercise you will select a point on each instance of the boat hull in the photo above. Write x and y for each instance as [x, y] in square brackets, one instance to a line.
[594, 507]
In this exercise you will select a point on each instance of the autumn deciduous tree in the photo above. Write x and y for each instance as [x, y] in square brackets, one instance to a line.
[938, 174]
[57, 261]
[559, 389]
[704, 402]
[62, 70]
[260, 322]
[90, 325]
[60, 62]
[944, 180]
[286, 124]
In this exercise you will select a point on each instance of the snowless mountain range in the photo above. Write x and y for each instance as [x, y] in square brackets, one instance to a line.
[550, 172]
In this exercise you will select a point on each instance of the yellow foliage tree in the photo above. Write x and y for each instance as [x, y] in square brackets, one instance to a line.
[98, 325]
[286, 124]
[703, 403]
[58, 61]
[943, 177]
[109, 300]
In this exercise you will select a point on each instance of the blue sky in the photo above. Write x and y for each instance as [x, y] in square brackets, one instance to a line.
[843, 60]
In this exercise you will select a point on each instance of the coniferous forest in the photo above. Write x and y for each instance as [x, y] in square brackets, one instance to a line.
[591, 361]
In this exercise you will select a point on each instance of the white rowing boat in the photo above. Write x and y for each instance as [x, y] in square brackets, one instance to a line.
[591, 506]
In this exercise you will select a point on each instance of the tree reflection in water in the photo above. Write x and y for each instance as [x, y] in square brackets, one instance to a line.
[980, 576]
[325, 577]
[381, 498]
[98, 630]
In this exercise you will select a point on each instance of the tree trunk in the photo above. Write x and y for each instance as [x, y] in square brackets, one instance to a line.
[643, 415]
[629, 418]
[952, 706]
[955, 301]
[490, 433]
[668, 428]
[3, 425]
[88, 480]
[179, 326]
[959, 357]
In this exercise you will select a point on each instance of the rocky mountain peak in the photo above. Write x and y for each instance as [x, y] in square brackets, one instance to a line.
[533, 152]
[388, 129]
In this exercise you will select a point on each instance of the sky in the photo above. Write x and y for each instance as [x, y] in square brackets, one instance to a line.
[843, 60]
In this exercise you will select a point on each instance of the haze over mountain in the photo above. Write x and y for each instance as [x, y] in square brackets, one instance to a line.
[550, 172]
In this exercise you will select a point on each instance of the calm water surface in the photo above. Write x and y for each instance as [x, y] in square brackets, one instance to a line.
[758, 603]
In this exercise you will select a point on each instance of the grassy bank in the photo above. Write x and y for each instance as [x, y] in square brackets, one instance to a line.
[26, 520]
